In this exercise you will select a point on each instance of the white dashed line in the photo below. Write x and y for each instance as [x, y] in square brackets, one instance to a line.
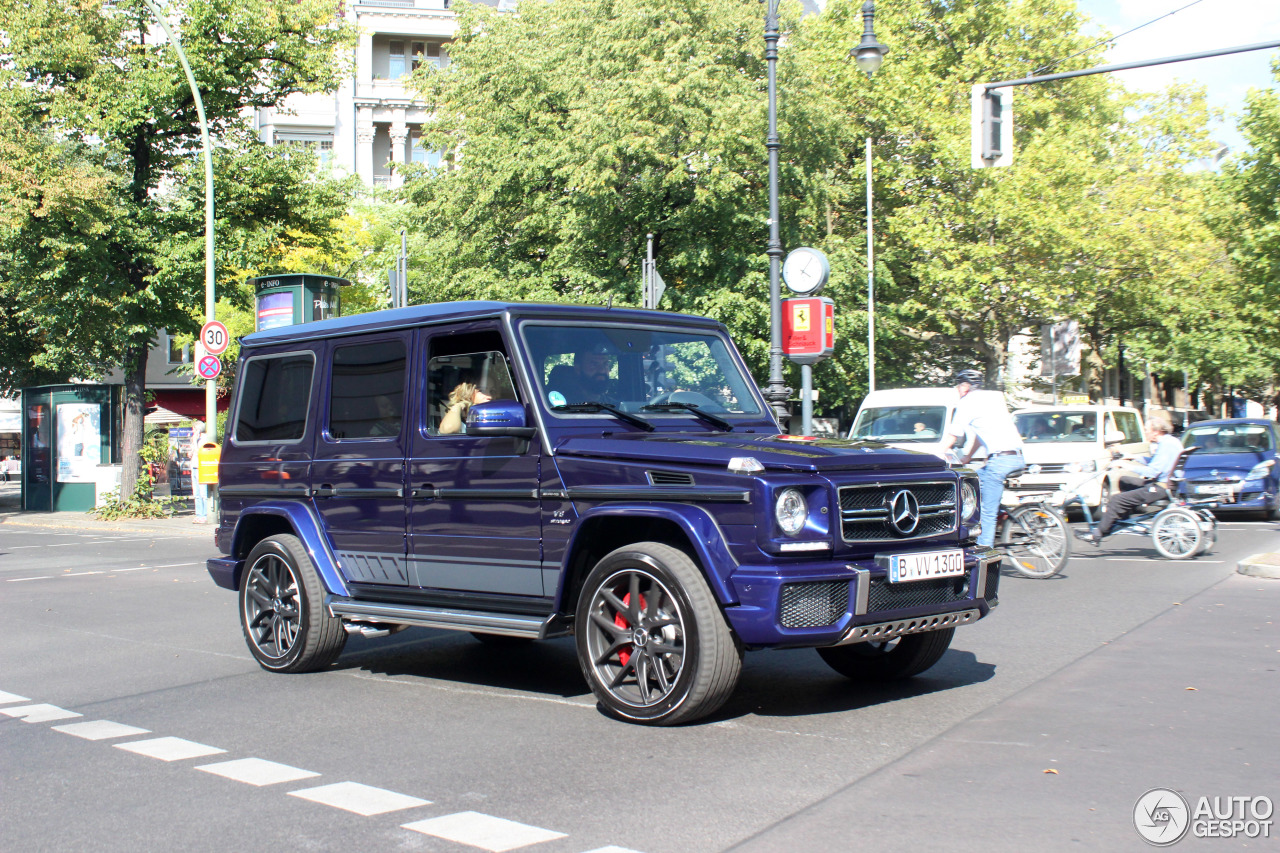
[613, 848]
[257, 771]
[39, 713]
[361, 799]
[169, 748]
[484, 831]
[12, 697]
[100, 730]
[40, 578]
[77, 574]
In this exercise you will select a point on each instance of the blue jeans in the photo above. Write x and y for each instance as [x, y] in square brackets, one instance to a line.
[201, 494]
[991, 483]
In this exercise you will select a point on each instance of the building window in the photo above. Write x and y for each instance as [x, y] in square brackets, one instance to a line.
[179, 353]
[318, 145]
[395, 61]
[425, 156]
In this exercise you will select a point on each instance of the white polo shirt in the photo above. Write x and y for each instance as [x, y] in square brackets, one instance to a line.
[986, 415]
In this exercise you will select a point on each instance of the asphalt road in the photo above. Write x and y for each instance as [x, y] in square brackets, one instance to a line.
[480, 747]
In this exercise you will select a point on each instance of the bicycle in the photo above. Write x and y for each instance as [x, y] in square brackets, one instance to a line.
[1180, 528]
[1033, 534]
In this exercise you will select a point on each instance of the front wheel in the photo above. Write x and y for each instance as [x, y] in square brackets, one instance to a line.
[889, 661]
[1176, 534]
[652, 641]
[282, 610]
[1035, 540]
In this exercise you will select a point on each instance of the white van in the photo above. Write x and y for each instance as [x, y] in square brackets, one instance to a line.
[1067, 444]
[908, 418]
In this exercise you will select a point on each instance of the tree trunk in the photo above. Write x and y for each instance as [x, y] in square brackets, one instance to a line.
[135, 409]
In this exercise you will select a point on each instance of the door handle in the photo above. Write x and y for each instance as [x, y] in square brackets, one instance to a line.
[324, 491]
[426, 490]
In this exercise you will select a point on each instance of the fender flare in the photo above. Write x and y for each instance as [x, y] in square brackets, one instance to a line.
[307, 527]
[698, 526]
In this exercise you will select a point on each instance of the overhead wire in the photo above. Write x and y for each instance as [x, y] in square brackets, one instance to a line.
[1047, 68]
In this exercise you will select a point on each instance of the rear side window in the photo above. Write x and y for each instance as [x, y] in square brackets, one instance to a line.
[1127, 423]
[275, 396]
[366, 394]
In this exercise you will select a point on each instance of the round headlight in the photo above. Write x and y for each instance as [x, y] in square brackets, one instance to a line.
[791, 511]
[968, 498]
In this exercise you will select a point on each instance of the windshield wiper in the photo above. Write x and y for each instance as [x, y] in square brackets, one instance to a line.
[718, 423]
[596, 406]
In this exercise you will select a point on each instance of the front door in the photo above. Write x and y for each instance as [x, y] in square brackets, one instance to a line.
[357, 477]
[474, 512]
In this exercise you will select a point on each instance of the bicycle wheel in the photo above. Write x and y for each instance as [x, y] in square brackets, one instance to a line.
[1036, 541]
[1176, 533]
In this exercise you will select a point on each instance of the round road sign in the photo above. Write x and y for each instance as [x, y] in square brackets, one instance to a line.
[215, 338]
[209, 367]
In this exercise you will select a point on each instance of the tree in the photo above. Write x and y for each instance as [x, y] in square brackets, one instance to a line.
[98, 86]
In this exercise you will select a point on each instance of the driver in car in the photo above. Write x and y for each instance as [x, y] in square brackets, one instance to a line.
[587, 381]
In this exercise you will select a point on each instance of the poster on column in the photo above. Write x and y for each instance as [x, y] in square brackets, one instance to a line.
[79, 442]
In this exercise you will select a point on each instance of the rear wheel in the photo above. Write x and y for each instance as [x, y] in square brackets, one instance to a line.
[889, 661]
[282, 609]
[652, 641]
[1035, 540]
[1176, 533]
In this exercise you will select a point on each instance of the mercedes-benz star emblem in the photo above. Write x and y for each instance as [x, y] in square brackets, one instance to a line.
[904, 513]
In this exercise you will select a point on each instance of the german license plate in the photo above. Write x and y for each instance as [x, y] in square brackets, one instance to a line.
[1216, 489]
[925, 565]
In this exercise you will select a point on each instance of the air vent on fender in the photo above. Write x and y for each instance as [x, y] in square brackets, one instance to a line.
[669, 478]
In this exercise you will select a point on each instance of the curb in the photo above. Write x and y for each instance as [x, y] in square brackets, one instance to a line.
[91, 524]
[1260, 566]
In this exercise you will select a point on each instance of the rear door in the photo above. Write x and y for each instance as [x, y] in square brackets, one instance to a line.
[357, 477]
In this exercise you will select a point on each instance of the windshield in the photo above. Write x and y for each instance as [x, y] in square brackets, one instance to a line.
[1035, 427]
[658, 373]
[901, 423]
[1237, 438]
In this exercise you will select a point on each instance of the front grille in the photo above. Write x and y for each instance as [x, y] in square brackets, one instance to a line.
[865, 511]
[896, 596]
[992, 592]
[1047, 467]
[1019, 486]
[814, 604]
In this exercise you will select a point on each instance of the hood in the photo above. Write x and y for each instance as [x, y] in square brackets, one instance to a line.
[1201, 463]
[774, 452]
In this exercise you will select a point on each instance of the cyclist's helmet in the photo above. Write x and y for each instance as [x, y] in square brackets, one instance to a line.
[972, 377]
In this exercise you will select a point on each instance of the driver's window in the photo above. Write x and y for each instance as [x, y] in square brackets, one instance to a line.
[458, 380]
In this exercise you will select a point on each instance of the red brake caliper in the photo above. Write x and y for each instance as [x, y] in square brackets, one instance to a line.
[624, 654]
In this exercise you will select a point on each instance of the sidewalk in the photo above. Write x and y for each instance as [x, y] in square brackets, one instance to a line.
[11, 515]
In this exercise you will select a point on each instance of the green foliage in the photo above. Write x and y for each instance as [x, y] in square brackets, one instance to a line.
[142, 502]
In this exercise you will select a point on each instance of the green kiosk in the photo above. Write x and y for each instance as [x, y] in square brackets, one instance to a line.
[283, 300]
[68, 432]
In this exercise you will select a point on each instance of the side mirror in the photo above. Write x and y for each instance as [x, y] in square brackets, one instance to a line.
[499, 417]
[1113, 436]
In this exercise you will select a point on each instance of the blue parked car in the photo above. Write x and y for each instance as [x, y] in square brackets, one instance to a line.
[522, 472]
[1236, 460]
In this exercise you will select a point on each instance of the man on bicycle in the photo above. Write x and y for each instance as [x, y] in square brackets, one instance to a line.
[986, 416]
[1147, 486]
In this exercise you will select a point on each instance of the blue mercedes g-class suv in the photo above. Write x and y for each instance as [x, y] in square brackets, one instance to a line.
[534, 471]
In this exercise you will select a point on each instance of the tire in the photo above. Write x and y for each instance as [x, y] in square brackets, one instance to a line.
[1176, 534]
[1273, 511]
[890, 661]
[1036, 540]
[282, 609]
[651, 639]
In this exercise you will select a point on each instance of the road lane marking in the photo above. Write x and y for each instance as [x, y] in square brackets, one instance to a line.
[39, 713]
[11, 697]
[77, 574]
[494, 834]
[100, 730]
[613, 848]
[37, 578]
[257, 771]
[169, 748]
[361, 799]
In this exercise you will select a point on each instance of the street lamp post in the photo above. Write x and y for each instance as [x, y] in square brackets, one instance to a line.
[868, 54]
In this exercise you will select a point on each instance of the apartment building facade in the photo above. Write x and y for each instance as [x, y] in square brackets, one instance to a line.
[373, 122]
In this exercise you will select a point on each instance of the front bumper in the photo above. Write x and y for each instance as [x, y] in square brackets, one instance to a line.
[826, 604]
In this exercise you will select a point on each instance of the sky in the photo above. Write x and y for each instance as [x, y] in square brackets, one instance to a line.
[1207, 25]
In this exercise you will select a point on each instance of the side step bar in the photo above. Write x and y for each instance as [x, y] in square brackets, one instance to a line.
[505, 624]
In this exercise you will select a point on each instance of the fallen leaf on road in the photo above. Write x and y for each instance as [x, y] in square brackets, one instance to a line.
[1191, 688]
[1051, 770]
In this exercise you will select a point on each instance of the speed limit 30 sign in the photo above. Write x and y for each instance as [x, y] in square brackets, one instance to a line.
[214, 337]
